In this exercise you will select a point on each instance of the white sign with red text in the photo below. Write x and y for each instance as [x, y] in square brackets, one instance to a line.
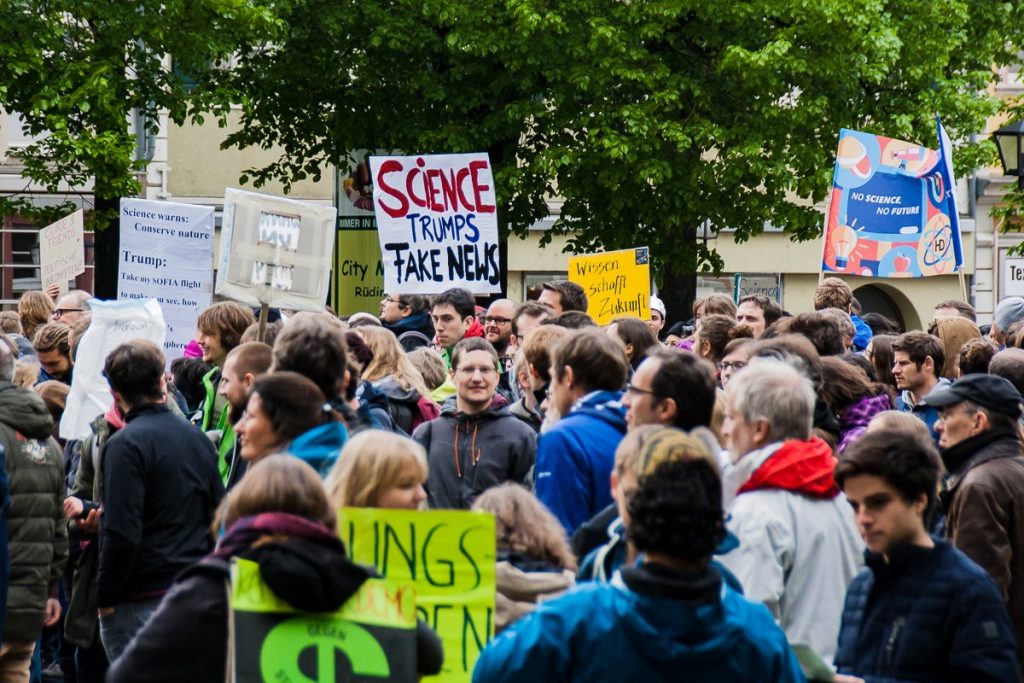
[437, 221]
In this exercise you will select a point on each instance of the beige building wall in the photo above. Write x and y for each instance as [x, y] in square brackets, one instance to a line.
[198, 168]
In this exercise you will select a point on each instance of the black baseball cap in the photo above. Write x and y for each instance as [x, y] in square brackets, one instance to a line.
[988, 391]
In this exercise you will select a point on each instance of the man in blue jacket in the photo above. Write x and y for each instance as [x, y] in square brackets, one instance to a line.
[922, 610]
[576, 456]
[671, 618]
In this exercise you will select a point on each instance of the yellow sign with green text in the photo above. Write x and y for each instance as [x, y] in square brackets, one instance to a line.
[617, 283]
[370, 639]
[449, 556]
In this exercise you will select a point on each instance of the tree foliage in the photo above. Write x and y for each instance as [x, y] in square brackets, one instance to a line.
[75, 70]
[649, 118]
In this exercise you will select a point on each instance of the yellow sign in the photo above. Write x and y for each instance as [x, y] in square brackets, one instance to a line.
[449, 556]
[358, 272]
[617, 283]
[374, 631]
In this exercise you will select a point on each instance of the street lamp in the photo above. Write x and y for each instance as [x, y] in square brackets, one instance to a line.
[1010, 143]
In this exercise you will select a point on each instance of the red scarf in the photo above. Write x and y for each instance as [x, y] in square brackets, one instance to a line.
[806, 467]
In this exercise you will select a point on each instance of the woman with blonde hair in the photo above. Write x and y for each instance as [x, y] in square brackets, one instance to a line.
[34, 310]
[378, 469]
[279, 517]
[392, 374]
[534, 559]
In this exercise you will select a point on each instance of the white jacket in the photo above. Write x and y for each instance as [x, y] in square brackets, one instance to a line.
[797, 554]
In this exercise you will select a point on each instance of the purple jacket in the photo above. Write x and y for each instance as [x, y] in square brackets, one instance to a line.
[854, 419]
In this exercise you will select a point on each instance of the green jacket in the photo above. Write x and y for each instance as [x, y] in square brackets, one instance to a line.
[216, 417]
[37, 532]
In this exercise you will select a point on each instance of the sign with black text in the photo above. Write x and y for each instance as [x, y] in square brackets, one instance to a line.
[438, 223]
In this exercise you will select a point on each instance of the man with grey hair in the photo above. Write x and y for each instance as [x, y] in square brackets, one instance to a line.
[799, 546]
[1008, 311]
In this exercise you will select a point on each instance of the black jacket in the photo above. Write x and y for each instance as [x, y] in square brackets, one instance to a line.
[161, 487]
[930, 614]
[469, 454]
[186, 639]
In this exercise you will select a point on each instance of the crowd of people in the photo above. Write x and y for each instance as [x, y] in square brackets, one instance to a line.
[745, 495]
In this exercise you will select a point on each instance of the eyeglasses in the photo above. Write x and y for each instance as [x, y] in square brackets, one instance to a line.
[485, 371]
[732, 365]
[58, 312]
[389, 300]
[496, 319]
[630, 389]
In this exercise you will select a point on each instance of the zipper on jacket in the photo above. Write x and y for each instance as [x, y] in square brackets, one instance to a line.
[894, 635]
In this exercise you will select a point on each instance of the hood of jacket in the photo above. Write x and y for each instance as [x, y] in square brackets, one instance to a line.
[390, 389]
[417, 322]
[605, 406]
[692, 629]
[859, 413]
[320, 446]
[497, 408]
[862, 333]
[24, 411]
[805, 467]
[303, 562]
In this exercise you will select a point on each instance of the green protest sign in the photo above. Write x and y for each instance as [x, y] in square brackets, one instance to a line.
[372, 638]
[449, 556]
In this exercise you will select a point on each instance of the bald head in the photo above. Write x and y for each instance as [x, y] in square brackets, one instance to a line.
[71, 306]
[498, 324]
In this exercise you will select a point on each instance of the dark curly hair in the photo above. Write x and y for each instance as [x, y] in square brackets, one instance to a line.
[677, 511]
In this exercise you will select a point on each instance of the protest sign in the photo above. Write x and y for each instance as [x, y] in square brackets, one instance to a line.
[275, 251]
[617, 283]
[892, 211]
[113, 323]
[372, 638]
[358, 272]
[449, 556]
[438, 223]
[62, 251]
[167, 253]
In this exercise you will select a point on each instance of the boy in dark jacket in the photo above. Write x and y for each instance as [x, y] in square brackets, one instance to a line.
[922, 610]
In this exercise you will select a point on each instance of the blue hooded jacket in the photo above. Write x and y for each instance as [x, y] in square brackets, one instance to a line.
[863, 333]
[603, 632]
[320, 446]
[417, 322]
[575, 458]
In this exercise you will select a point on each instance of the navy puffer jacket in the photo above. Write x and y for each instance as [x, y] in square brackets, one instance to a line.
[930, 614]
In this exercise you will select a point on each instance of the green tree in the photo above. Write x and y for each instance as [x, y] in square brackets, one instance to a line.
[651, 119]
[76, 70]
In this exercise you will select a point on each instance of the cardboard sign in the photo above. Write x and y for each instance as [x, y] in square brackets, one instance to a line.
[449, 557]
[113, 323]
[617, 283]
[275, 251]
[371, 639]
[62, 251]
[438, 223]
[167, 254]
[892, 211]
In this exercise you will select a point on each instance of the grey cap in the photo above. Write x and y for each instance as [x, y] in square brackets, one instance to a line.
[1009, 311]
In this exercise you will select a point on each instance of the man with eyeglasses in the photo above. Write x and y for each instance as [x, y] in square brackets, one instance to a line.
[71, 306]
[983, 496]
[476, 443]
[672, 388]
[408, 318]
[497, 324]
